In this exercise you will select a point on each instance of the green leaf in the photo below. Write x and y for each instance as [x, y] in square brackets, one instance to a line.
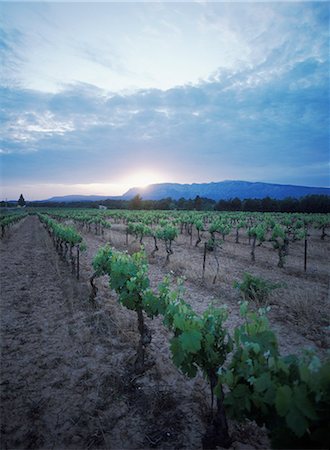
[237, 335]
[151, 303]
[209, 338]
[303, 403]
[268, 397]
[228, 378]
[256, 348]
[281, 365]
[271, 362]
[189, 369]
[191, 341]
[296, 422]
[283, 400]
[241, 390]
[304, 373]
[243, 309]
[179, 321]
[315, 364]
[177, 353]
[263, 382]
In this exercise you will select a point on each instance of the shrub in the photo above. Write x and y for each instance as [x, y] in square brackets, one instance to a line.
[255, 289]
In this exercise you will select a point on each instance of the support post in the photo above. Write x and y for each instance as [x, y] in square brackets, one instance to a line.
[78, 251]
[204, 259]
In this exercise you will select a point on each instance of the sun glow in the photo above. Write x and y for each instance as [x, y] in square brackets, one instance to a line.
[118, 186]
[142, 179]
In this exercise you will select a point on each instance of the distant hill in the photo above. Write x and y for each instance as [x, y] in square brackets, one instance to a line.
[80, 198]
[214, 191]
[223, 190]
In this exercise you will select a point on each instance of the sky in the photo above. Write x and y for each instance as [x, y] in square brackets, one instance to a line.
[98, 97]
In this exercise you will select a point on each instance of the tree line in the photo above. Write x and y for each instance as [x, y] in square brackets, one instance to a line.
[307, 204]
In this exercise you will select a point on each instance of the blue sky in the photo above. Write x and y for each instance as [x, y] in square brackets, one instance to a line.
[99, 97]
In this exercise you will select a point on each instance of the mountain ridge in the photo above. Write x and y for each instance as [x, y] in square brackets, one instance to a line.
[224, 190]
[214, 190]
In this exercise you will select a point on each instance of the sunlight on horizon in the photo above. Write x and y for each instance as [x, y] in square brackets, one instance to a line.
[142, 179]
[118, 187]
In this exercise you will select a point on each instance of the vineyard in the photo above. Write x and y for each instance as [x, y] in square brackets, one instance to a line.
[135, 329]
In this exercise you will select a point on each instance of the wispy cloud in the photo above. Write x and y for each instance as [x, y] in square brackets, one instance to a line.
[31, 127]
[260, 111]
[116, 46]
[10, 58]
[217, 121]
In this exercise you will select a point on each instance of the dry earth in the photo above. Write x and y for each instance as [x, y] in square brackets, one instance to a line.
[67, 380]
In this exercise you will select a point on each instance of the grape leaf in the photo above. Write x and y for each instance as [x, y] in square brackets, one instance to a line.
[177, 353]
[179, 321]
[296, 422]
[263, 382]
[191, 341]
[303, 403]
[283, 400]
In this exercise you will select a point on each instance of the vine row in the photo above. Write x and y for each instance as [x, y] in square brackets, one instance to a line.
[65, 239]
[250, 379]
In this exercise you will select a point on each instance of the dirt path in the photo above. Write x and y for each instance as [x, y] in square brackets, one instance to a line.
[39, 350]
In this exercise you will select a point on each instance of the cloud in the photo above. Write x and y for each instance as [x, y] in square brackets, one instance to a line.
[10, 57]
[224, 126]
[263, 118]
[155, 45]
[31, 127]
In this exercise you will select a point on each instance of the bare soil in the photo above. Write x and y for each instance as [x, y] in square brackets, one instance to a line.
[67, 378]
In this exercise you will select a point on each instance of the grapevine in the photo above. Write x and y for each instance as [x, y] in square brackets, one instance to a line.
[8, 220]
[65, 240]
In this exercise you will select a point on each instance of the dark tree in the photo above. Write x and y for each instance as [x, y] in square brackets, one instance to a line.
[235, 204]
[289, 204]
[198, 203]
[165, 204]
[21, 201]
[315, 203]
[181, 203]
[222, 205]
[252, 204]
[136, 202]
[269, 205]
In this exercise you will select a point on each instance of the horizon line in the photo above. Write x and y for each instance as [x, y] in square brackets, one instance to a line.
[143, 188]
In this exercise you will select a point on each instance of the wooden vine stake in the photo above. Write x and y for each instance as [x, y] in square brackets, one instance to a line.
[93, 293]
[204, 260]
[217, 263]
[217, 433]
[78, 252]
